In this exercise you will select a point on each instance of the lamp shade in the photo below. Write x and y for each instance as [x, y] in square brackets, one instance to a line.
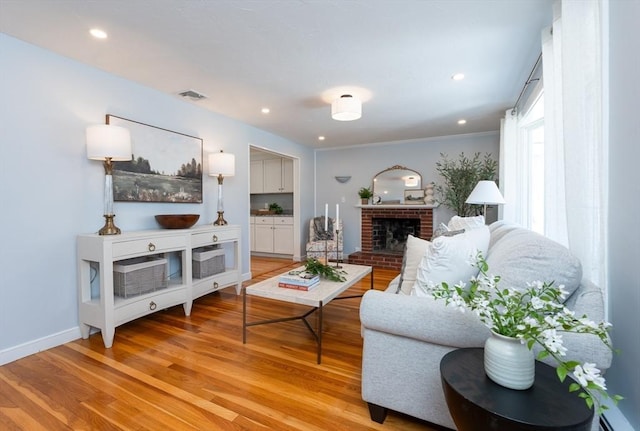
[346, 108]
[105, 141]
[222, 164]
[485, 192]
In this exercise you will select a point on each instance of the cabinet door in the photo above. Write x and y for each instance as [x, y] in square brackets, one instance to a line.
[256, 183]
[264, 238]
[287, 175]
[283, 239]
[272, 176]
[252, 233]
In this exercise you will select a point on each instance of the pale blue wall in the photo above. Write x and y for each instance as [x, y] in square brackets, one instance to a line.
[364, 162]
[51, 192]
[624, 203]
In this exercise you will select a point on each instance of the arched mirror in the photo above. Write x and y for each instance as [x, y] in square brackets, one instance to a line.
[398, 185]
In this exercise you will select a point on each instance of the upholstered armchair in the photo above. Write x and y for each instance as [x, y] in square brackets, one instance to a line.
[317, 242]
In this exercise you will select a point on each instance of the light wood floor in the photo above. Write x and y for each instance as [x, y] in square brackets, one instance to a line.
[171, 372]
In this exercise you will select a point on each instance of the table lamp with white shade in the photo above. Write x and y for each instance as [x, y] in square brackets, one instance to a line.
[109, 144]
[485, 193]
[221, 165]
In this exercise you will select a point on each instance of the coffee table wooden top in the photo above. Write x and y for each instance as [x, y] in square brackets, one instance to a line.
[324, 292]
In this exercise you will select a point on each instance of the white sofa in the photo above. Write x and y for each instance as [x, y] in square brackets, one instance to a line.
[405, 337]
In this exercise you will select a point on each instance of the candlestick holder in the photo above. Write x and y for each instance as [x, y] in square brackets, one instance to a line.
[338, 249]
[326, 252]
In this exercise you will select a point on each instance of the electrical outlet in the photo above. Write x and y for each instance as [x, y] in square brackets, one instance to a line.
[343, 199]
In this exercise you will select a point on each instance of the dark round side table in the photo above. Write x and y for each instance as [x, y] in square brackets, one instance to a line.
[477, 403]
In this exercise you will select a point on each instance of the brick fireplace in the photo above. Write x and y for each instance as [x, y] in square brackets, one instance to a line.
[383, 231]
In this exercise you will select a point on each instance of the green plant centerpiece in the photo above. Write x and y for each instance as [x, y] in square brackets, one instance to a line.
[534, 315]
[365, 194]
[460, 177]
[314, 266]
[277, 209]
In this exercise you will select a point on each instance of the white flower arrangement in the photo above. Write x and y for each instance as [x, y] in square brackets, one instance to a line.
[534, 315]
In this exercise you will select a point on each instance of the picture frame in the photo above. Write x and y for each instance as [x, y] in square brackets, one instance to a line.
[165, 166]
[414, 196]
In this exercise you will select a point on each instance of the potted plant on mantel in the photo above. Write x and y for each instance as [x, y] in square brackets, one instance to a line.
[365, 194]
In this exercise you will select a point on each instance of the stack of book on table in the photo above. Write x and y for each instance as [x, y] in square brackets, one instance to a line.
[299, 280]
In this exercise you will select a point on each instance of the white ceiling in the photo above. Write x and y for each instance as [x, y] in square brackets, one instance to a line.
[294, 56]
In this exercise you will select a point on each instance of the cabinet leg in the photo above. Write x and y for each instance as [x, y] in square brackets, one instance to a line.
[187, 308]
[107, 337]
[84, 330]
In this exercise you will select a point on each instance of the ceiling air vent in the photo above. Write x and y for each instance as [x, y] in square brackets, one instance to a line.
[193, 95]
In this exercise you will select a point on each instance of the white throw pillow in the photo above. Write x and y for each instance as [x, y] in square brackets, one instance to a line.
[449, 259]
[467, 223]
[415, 249]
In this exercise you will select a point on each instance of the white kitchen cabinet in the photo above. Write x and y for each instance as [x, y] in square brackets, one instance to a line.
[271, 176]
[283, 235]
[100, 308]
[256, 180]
[252, 233]
[287, 176]
[273, 235]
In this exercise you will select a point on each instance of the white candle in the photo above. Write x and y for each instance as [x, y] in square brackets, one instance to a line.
[337, 216]
[326, 217]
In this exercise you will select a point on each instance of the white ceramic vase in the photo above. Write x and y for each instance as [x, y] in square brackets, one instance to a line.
[508, 362]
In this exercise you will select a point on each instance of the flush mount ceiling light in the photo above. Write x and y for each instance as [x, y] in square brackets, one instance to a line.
[346, 108]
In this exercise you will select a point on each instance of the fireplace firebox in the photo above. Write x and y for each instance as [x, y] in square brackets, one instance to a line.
[384, 231]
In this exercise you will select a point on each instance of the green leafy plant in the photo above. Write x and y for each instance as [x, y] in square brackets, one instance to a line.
[460, 177]
[365, 192]
[275, 208]
[314, 266]
[534, 315]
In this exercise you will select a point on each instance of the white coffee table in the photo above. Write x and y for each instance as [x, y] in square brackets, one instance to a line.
[317, 298]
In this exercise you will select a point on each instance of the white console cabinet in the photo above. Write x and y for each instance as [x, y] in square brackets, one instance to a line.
[100, 308]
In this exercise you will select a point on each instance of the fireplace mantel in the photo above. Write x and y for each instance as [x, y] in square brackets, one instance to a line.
[402, 206]
[367, 255]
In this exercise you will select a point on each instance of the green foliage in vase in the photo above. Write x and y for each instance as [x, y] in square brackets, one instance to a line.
[314, 266]
[275, 208]
[460, 177]
[365, 192]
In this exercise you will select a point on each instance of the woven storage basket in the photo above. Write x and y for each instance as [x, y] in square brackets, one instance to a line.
[207, 261]
[139, 275]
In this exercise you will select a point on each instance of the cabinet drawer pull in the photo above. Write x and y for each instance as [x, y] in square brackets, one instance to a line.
[215, 285]
[152, 247]
[215, 238]
[152, 306]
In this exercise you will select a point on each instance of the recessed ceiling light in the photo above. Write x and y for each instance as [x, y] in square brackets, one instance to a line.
[98, 34]
[265, 110]
[458, 77]
[461, 122]
[320, 138]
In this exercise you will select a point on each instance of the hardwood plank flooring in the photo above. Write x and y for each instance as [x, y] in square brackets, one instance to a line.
[167, 371]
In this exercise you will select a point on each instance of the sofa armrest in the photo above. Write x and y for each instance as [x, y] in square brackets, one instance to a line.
[421, 318]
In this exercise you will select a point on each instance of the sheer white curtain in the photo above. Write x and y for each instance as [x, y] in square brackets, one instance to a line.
[576, 156]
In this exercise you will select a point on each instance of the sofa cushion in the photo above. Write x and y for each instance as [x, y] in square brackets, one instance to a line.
[520, 256]
[458, 223]
[413, 252]
[449, 259]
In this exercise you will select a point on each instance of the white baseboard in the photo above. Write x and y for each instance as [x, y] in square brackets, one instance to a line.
[614, 420]
[16, 352]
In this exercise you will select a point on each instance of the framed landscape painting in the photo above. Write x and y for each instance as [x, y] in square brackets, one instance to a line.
[414, 197]
[165, 166]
